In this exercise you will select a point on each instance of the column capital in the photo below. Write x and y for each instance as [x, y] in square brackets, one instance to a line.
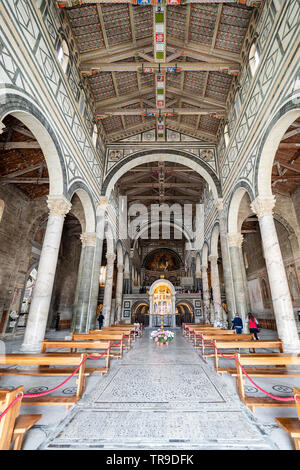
[120, 266]
[59, 205]
[262, 206]
[110, 258]
[204, 267]
[235, 239]
[103, 202]
[213, 259]
[88, 239]
[198, 274]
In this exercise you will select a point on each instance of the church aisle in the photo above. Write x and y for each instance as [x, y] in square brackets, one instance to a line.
[159, 398]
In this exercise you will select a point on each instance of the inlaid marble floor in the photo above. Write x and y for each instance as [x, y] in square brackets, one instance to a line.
[159, 398]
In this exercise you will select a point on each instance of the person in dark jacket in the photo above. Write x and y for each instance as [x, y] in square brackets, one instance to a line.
[100, 320]
[237, 324]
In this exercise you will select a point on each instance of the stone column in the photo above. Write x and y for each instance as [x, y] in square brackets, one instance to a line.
[85, 281]
[59, 206]
[235, 241]
[281, 298]
[108, 288]
[244, 274]
[206, 296]
[227, 271]
[215, 282]
[100, 227]
[119, 292]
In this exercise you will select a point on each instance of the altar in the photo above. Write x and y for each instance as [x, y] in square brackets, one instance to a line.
[162, 304]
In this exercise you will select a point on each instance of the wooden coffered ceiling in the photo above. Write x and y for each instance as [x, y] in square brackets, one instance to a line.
[286, 166]
[116, 40]
[22, 161]
[160, 182]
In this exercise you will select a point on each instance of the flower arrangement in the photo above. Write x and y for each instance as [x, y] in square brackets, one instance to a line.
[162, 337]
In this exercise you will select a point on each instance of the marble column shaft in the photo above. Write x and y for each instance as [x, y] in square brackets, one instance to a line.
[93, 304]
[281, 298]
[119, 291]
[37, 319]
[215, 282]
[206, 295]
[84, 282]
[227, 270]
[106, 311]
[235, 241]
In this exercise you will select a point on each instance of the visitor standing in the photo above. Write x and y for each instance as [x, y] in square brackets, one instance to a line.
[237, 324]
[100, 320]
[253, 325]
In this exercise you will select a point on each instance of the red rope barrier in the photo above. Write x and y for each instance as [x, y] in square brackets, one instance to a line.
[244, 371]
[33, 395]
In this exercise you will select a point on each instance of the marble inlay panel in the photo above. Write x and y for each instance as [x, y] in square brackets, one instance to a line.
[124, 427]
[160, 383]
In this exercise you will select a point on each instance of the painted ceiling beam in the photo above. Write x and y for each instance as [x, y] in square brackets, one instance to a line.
[124, 100]
[8, 180]
[117, 52]
[153, 67]
[71, 3]
[203, 52]
[155, 111]
[196, 100]
[19, 145]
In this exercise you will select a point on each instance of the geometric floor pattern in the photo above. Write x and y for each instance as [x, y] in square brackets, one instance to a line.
[159, 398]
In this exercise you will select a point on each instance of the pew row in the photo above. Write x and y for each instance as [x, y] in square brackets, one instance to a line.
[278, 365]
[116, 340]
[14, 426]
[292, 425]
[73, 346]
[44, 361]
[241, 344]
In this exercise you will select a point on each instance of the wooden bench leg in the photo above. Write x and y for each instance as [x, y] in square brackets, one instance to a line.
[297, 443]
[18, 442]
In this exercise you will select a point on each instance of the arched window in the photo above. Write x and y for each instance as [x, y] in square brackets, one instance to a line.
[226, 135]
[254, 59]
[1, 209]
[63, 55]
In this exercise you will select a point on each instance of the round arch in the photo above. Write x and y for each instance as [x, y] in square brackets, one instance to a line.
[214, 240]
[169, 155]
[87, 204]
[234, 208]
[269, 146]
[162, 282]
[36, 122]
[120, 255]
[205, 251]
[147, 225]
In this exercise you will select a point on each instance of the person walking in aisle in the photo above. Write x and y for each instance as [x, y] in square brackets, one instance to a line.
[253, 325]
[237, 324]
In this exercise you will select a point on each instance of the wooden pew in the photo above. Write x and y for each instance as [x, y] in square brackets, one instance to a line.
[275, 360]
[127, 332]
[195, 336]
[49, 359]
[242, 343]
[116, 339]
[292, 425]
[196, 330]
[226, 338]
[74, 345]
[210, 336]
[13, 426]
[189, 327]
[139, 329]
